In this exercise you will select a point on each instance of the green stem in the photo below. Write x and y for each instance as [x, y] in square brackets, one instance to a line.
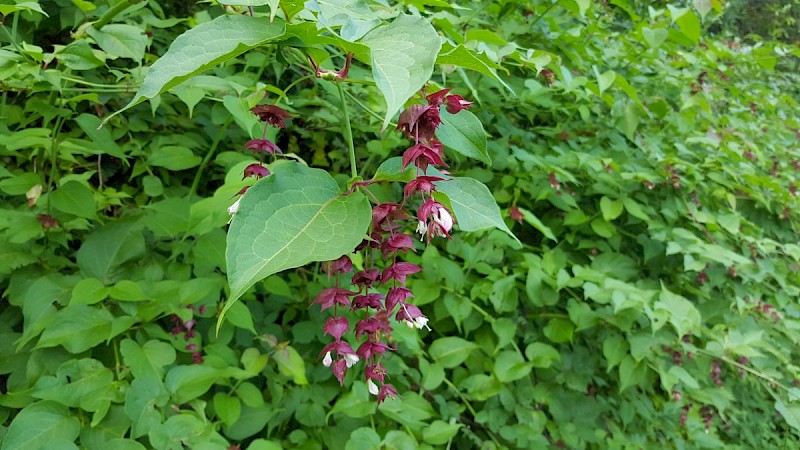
[348, 132]
[111, 13]
[539, 17]
[293, 84]
[89, 83]
[208, 156]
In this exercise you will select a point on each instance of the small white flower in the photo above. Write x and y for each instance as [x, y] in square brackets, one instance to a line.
[373, 388]
[421, 322]
[327, 360]
[422, 228]
[444, 219]
[351, 359]
[234, 207]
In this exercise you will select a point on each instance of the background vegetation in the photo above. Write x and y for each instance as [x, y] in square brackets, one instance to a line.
[648, 150]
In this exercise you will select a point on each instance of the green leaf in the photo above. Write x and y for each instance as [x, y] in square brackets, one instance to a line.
[440, 432]
[191, 54]
[291, 364]
[78, 55]
[227, 408]
[108, 247]
[88, 292]
[510, 365]
[690, 25]
[473, 205]
[189, 382]
[356, 403]
[75, 198]
[39, 425]
[147, 361]
[681, 313]
[173, 157]
[77, 328]
[451, 351]
[403, 54]
[239, 316]
[654, 37]
[542, 355]
[790, 413]
[353, 17]
[559, 330]
[611, 209]
[534, 221]
[463, 57]
[615, 347]
[463, 133]
[364, 438]
[22, 6]
[120, 40]
[292, 217]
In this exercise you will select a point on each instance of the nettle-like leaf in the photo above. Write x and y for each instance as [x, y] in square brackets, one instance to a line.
[295, 216]
[464, 133]
[203, 47]
[403, 54]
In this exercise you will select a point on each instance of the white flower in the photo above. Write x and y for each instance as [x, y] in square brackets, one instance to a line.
[421, 322]
[444, 219]
[351, 359]
[373, 388]
[327, 360]
[422, 228]
[234, 207]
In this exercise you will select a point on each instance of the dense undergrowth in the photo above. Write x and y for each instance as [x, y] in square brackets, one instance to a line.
[648, 167]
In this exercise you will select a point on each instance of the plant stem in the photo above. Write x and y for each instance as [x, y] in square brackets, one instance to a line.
[208, 156]
[348, 132]
[111, 13]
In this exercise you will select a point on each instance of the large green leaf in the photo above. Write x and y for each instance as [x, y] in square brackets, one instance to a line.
[403, 54]
[77, 328]
[293, 217]
[473, 205]
[40, 426]
[353, 16]
[202, 48]
[463, 132]
[469, 59]
[120, 40]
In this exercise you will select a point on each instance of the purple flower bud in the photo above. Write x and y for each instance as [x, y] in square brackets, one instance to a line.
[263, 145]
[456, 104]
[438, 97]
[368, 349]
[189, 324]
[336, 327]
[197, 358]
[332, 296]
[365, 278]
[397, 295]
[342, 349]
[341, 265]
[255, 170]
[399, 271]
[386, 391]
[271, 114]
[420, 184]
[412, 316]
[397, 242]
[372, 300]
[191, 347]
[372, 325]
[422, 156]
[375, 372]
[339, 369]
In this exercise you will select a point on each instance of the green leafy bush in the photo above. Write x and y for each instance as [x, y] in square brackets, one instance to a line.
[640, 287]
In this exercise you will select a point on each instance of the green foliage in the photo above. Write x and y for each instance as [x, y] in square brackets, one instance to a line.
[637, 285]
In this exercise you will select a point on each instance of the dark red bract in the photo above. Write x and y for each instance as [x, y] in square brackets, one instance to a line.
[271, 114]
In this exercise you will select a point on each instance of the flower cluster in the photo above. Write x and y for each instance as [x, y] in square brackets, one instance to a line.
[378, 295]
[187, 330]
[271, 115]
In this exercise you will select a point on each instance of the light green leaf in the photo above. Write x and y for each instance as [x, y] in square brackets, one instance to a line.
[510, 365]
[203, 47]
[463, 57]
[463, 133]
[173, 157]
[227, 408]
[189, 382]
[290, 363]
[440, 432]
[611, 209]
[534, 221]
[451, 351]
[38, 425]
[294, 216]
[541, 355]
[403, 54]
[120, 40]
[22, 6]
[790, 413]
[147, 361]
[681, 313]
[364, 438]
[473, 205]
[654, 36]
[75, 198]
[77, 328]
[353, 16]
